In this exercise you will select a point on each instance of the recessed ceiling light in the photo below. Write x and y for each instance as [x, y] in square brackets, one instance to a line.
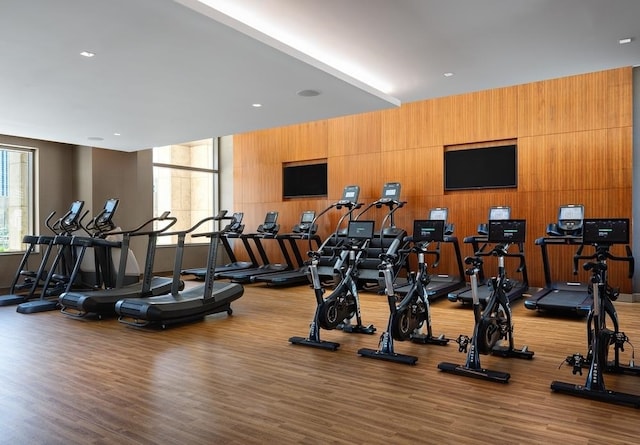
[256, 105]
[308, 93]
[87, 54]
[625, 40]
[116, 134]
[448, 74]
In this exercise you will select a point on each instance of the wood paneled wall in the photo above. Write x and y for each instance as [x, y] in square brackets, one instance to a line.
[574, 138]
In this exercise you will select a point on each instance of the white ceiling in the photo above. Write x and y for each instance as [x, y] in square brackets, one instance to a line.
[175, 71]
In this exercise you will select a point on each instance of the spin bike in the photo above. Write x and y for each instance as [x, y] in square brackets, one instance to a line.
[343, 304]
[602, 234]
[412, 312]
[493, 323]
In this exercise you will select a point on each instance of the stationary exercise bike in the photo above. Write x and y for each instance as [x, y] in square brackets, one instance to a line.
[411, 313]
[343, 304]
[493, 323]
[601, 233]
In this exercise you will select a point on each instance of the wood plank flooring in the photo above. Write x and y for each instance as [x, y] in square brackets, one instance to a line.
[237, 380]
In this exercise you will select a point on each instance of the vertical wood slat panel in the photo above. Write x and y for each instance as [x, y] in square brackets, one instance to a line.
[574, 146]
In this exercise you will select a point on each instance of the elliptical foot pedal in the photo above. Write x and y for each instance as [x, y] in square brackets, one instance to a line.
[430, 340]
[392, 357]
[481, 373]
[359, 329]
[329, 345]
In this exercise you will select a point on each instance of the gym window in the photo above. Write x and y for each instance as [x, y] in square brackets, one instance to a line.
[185, 182]
[16, 197]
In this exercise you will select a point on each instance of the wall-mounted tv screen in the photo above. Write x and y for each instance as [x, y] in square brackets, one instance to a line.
[304, 180]
[480, 168]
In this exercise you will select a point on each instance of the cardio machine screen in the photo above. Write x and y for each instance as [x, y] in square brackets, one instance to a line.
[108, 211]
[360, 229]
[271, 218]
[391, 191]
[74, 212]
[350, 194]
[507, 231]
[307, 217]
[571, 213]
[426, 230]
[605, 231]
[498, 213]
[438, 213]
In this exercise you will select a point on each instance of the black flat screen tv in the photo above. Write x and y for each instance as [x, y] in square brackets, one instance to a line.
[481, 168]
[304, 180]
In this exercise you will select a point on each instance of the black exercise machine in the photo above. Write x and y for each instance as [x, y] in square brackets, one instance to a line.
[389, 239]
[101, 302]
[411, 313]
[192, 304]
[602, 234]
[441, 284]
[493, 323]
[305, 230]
[267, 230]
[343, 304]
[57, 279]
[326, 263]
[482, 246]
[233, 231]
[567, 296]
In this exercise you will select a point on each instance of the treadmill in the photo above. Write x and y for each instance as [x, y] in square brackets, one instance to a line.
[233, 231]
[483, 244]
[305, 230]
[189, 305]
[102, 302]
[441, 284]
[568, 296]
[267, 230]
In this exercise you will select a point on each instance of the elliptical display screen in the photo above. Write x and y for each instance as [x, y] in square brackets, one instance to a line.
[507, 231]
[427, 230]
[360, 229]
[271, 218]
[605, 231]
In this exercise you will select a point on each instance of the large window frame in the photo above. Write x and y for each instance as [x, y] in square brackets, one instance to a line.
[17, 202]
[186, 182]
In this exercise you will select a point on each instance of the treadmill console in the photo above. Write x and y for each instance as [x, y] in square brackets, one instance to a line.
[496, 213]
[427, 230]
[507, 231]
[499, 213]
[269, 225]
[306, 224]
[441, 213]
[606, 231]
[570, 219]
[360, 230]
[349, 196]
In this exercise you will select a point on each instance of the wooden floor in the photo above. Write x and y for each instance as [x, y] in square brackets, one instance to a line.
[237, 380]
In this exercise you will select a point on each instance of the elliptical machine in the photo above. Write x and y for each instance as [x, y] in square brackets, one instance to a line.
[337, 310]
[602, 234]
[411, 313]
[493, 323]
